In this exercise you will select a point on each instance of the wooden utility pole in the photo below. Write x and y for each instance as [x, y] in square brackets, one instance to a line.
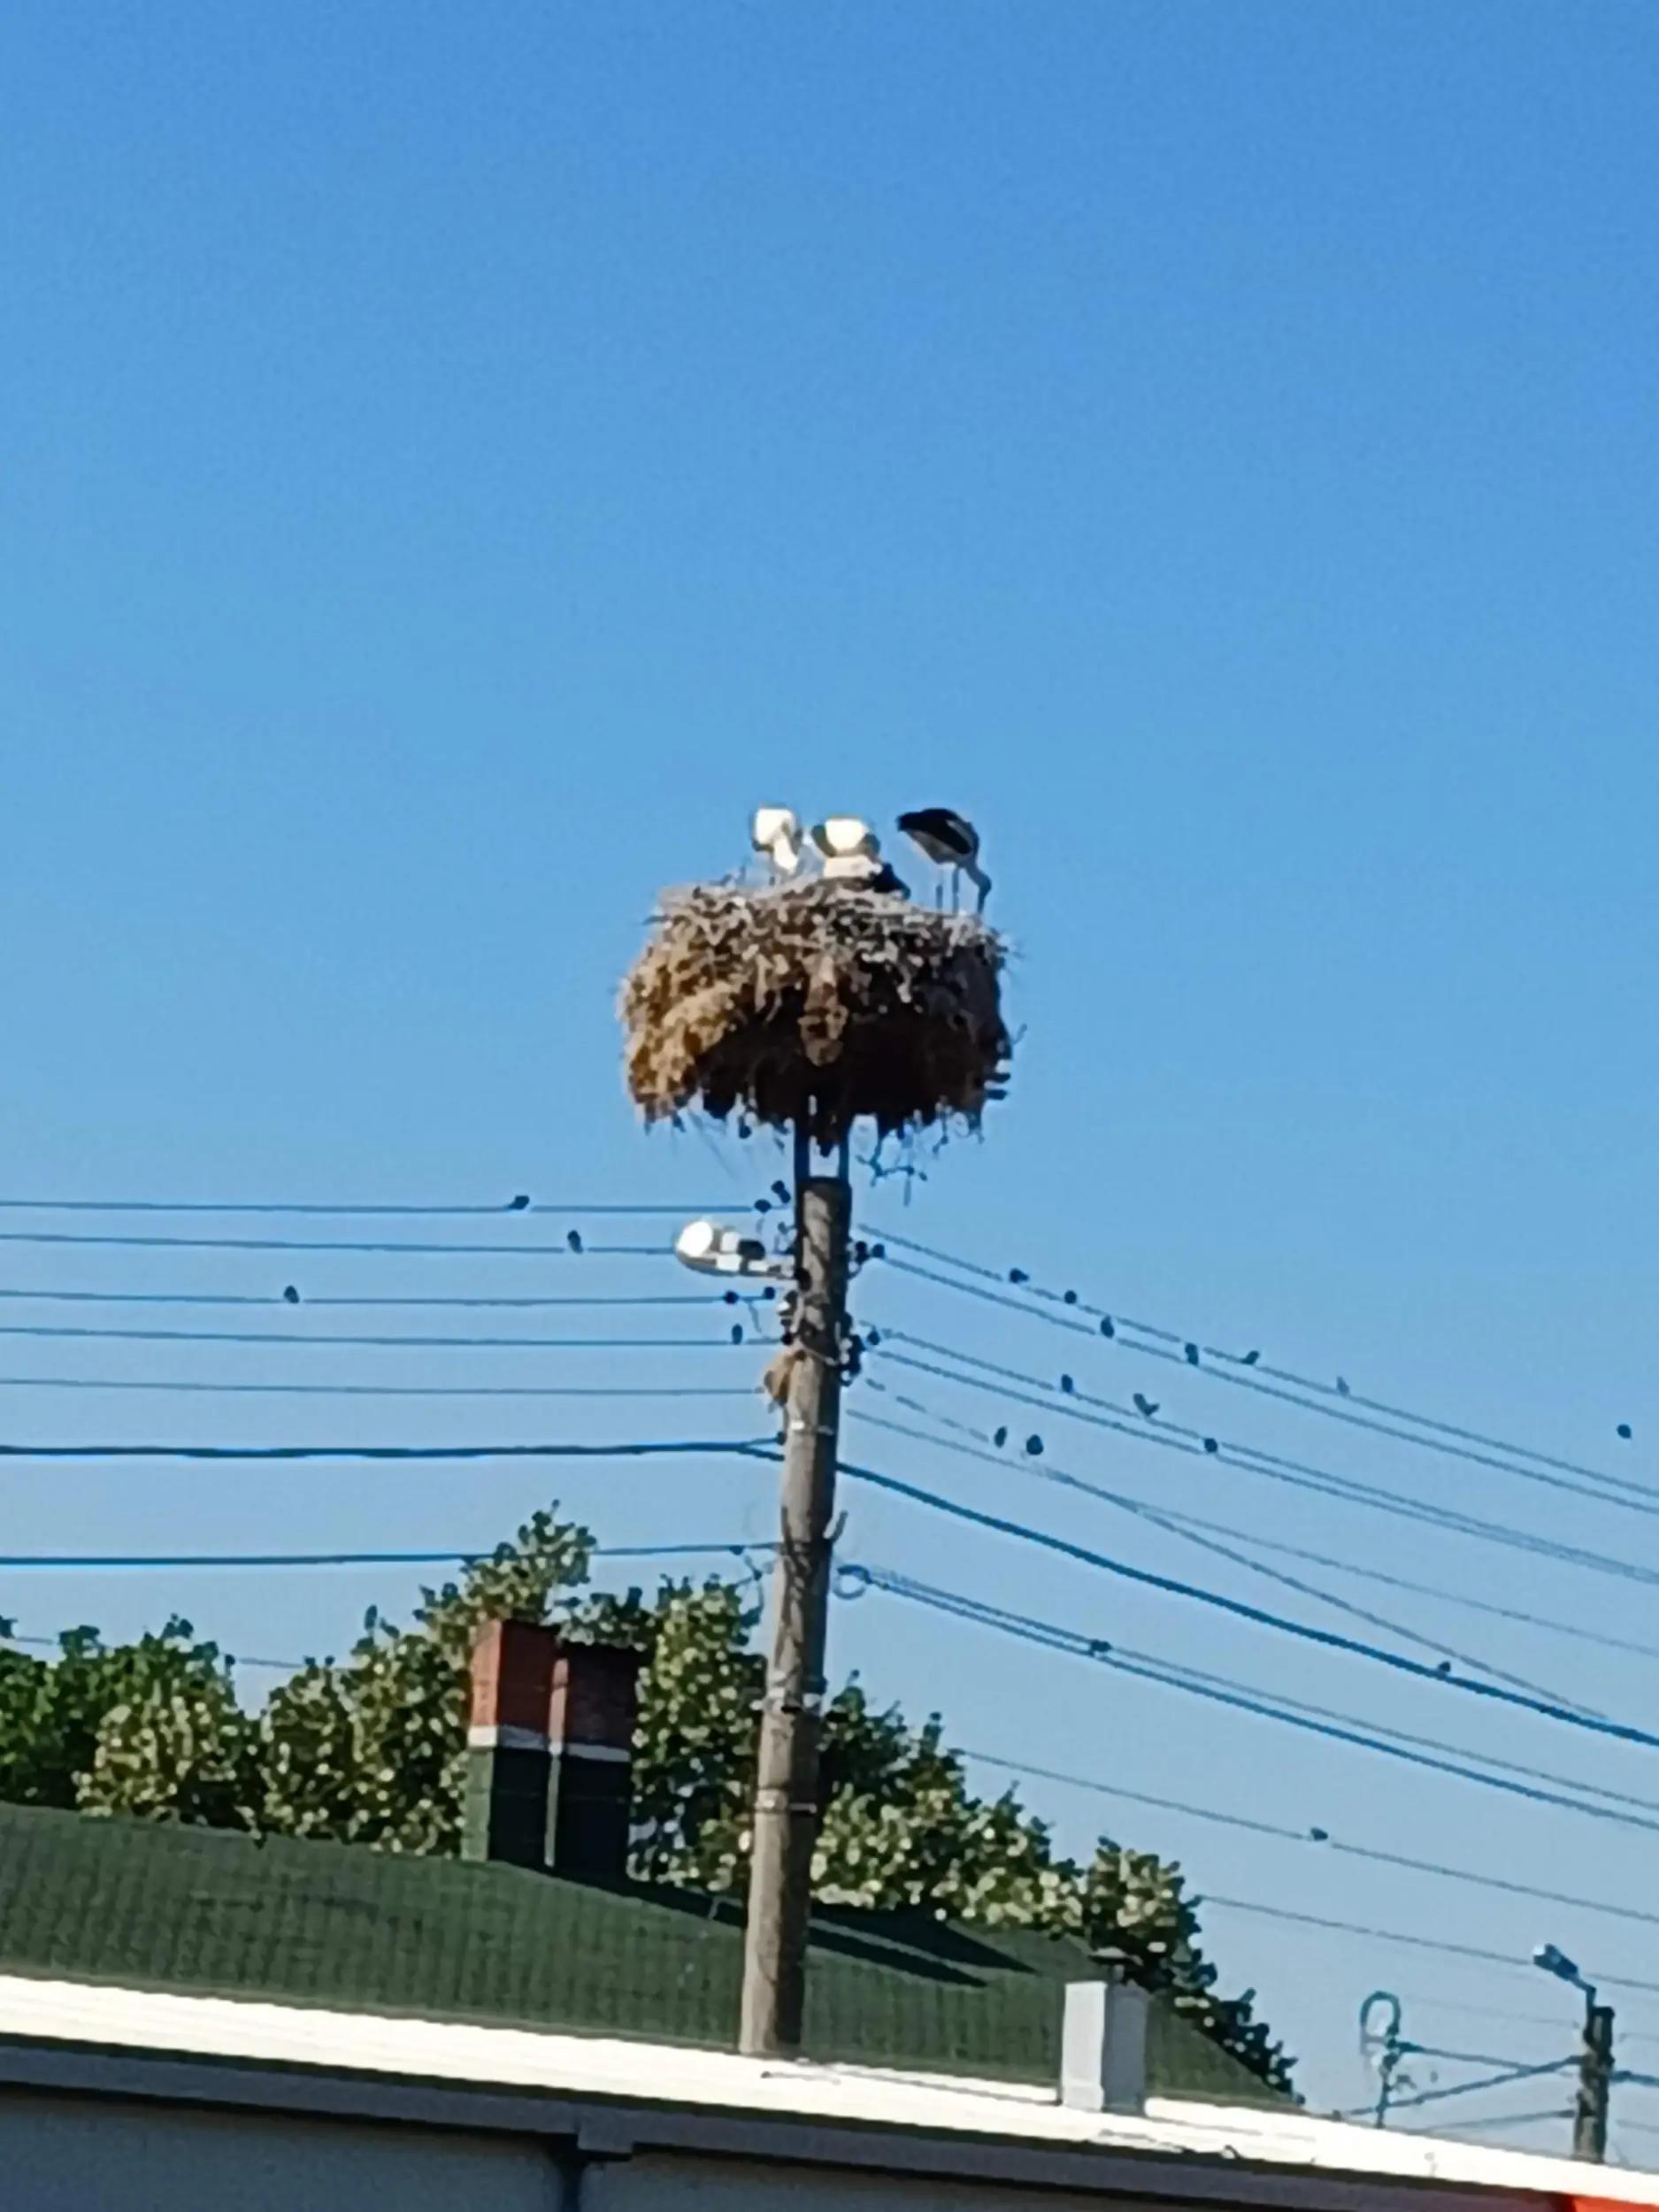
[1595, 2079]
[785, 1793]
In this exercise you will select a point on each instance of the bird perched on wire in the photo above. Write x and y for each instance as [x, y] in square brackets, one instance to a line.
[949, 840]
[852, 854]
[776, 832]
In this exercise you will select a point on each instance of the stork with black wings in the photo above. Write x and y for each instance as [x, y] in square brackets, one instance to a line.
[949, 840]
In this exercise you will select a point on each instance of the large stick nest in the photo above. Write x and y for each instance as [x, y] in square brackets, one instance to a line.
[817, 1003]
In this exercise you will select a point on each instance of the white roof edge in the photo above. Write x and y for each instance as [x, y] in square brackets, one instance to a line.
[36, 2010]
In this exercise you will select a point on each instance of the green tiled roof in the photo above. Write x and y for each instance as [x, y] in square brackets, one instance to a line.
[205, 1912]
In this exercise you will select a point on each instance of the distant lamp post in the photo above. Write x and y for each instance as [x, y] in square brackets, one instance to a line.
[1381, 2042]
[1595, 2057]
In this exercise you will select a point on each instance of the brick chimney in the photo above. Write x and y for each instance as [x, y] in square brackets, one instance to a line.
[549, 1751]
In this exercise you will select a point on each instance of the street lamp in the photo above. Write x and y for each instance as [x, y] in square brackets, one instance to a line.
[712, 1249]
[1595, 2056]
[1559, 1965]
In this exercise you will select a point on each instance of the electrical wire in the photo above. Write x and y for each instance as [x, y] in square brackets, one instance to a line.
[1318, 1840]
[1197, 1678]
[1406, 1937]
[1191, 1529]
[1419, 2002]
[1496, 2120]
[1643, 1500]
[151, 1561]
[282, 1299]
[1389, 1743]
[254, 1454]
[519, 1204]
[740, 1550]
[1272, 1466]
[237, 1659]
[1332, 1639]
[1336, 1401]
[901, 1585]
[418, 1343]
[1462, 2088]
[1465, 2058]
[1544, 1621]
[379, 1390]
[1254, 1538]
[1337, 1728]
[334, 1244]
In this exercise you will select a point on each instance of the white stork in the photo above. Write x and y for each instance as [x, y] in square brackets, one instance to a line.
[852, 854]
[949, 840]
[776, 832]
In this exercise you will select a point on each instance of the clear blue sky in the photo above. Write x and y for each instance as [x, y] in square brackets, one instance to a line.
[457, 462]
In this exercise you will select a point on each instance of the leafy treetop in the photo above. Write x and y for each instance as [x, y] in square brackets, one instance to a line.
[371, 1748]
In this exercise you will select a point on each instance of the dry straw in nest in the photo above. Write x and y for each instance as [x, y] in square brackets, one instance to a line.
[817, 1003]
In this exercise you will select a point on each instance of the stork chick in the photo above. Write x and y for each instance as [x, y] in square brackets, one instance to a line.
[776, 832]
[852, 854]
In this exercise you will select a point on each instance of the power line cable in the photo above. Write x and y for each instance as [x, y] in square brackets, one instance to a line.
[1273, 1466]
[282, 1301]
[379, 1390]
[336, 1244]
[1332, 1639]
[1193, 1530]
[739, 1447]
[1419, 2001]
[231, 1659]
[1463, 2058]
[1495, 2120]
[742, 1550]
[1445, 1595]
[739, 1548]
[1334, 1400]
[519, 1204]
[901, 1585]
[1640, 1498]
[753, 1448]
[1318, 1840]
[381, 1342]
[1406, 1937]
[1423, 1752]
[1253, 1537]
[1417, 1740]
[1502, 2080]
[154, 1562]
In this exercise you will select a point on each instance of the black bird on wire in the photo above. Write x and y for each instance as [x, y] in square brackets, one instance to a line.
[949, 840]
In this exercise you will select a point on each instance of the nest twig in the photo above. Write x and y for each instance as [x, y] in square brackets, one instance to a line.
[815, 1005]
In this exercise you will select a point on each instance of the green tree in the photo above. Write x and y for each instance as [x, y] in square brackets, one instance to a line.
[372, 1749]
[151, 1727]
[694, 1746]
